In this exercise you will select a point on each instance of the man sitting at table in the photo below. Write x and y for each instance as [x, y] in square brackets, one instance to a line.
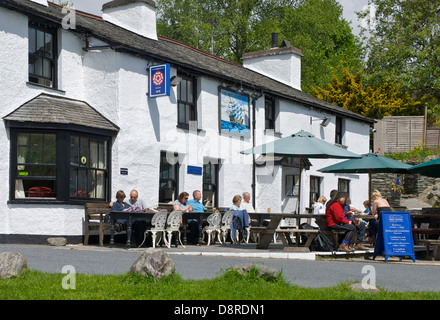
[246, 204]
[138, 226]
[193, 224]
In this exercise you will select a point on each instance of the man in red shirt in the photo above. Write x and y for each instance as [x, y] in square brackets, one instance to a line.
[335, 219]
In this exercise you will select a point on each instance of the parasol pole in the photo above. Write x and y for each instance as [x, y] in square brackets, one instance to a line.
[299, 185]
[369, 187]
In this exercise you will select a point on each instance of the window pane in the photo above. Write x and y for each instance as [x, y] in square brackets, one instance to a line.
[73, 183]
[31, 65]
[23, 148]
[36, 148]
[32, 40]
[82, 183]
[40, 42]
[84, 152]
[192, 113]
[50, 148]
[38, 65]
[93, 154]
[189, 91]
[34, 171]
[39, 188]
[74, 149]
[183, 90]
[48, 45]
[102, 155]
[98, 184]
[187, 113]
[47, 68]
[181, 113]
[49, 171]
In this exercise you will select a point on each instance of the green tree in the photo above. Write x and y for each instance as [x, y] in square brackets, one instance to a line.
[318, 28]
[404, 47]
[228, 28]
[385, 100]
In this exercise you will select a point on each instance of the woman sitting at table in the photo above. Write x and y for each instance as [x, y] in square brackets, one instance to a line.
[239, 214]
[318, 208]
[236, 203]
[335, 219]
[379, 204]
[119, 205]
[181, 203]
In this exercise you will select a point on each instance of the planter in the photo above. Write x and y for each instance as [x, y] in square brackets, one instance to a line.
[394, 199]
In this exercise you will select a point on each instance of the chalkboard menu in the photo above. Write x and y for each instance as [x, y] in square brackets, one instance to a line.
[394, 235]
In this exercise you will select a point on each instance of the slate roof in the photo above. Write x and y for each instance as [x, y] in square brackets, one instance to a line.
[49, 109]
[179, 55]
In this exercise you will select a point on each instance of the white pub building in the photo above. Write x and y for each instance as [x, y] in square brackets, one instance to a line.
[92, 105]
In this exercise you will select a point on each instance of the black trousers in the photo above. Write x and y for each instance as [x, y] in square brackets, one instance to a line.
[138, 228]
[350, 228]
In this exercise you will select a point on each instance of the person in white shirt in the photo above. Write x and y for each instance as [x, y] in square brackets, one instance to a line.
[318, 208]
[246, 204]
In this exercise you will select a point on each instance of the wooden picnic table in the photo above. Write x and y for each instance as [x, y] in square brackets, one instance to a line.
[433, 221]
[266, 233]
[130, 216]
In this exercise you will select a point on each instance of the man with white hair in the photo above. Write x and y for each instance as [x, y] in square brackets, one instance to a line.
[246, 204]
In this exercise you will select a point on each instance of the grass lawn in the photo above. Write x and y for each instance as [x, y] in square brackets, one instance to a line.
[33, 285]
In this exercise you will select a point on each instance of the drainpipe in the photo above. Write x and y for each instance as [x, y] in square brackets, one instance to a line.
[253, 154]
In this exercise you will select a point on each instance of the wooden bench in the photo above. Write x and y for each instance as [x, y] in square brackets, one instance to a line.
[287, 242]
[426, 230]
[94, 220]
[265, 233]
[436, 251]
[332, 234]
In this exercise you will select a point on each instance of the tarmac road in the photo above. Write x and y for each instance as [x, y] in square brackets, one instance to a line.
[392, 275]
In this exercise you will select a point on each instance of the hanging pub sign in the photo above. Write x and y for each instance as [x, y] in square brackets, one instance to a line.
[234, 112]
[159, 80]
[394, 235]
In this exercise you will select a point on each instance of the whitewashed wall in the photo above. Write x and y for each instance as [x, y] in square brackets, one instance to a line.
[115, 84]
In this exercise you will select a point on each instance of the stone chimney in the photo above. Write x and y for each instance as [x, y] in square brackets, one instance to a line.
[279, 63]
[138, 16]
[42, 2]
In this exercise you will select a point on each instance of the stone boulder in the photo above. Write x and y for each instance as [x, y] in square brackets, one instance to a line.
[58, 241]
[263, 271]
[12, 264]
[155, 263]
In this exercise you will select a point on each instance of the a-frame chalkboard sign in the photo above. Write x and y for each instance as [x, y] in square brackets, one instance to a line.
[394, 235]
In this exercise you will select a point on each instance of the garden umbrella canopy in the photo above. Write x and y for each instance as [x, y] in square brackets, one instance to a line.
[429, 169]
[301, 145]
[369, 163]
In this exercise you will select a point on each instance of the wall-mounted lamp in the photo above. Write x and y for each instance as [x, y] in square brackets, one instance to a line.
[241, 88]
[256, 95]
[324, 122]
[175, 80]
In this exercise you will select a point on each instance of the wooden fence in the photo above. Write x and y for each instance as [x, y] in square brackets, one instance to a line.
[403, 133]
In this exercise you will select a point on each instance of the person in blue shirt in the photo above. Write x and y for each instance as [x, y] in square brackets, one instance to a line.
[197, 207]
[120, 205]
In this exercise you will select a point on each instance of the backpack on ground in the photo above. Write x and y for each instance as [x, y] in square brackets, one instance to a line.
[321, 243]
